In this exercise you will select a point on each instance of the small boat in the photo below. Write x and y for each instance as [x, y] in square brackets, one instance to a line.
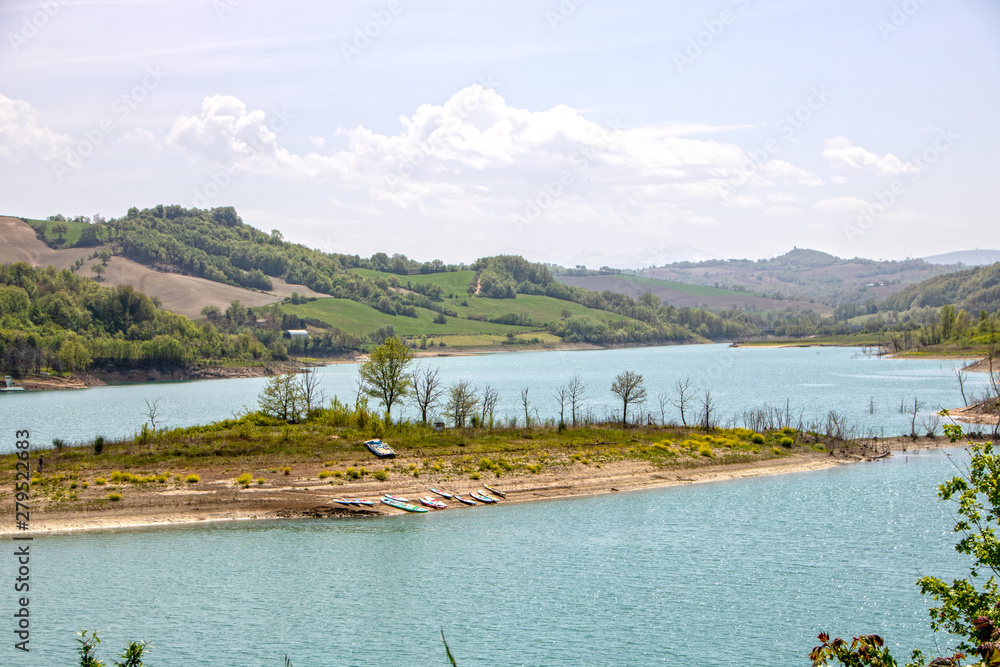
[399, 499]
[495, 491]
[484, 497]
[408, 507]
[462, 499]
[357, 502]
[8, 385]
[431, 502]
[380, 449]
[443, 494]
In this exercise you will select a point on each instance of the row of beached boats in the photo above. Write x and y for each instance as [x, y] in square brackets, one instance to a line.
[429, 502]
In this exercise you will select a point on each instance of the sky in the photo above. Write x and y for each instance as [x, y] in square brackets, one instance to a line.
[628, 134]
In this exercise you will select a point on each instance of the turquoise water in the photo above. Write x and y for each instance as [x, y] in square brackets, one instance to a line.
[743, 572]
[812, 380]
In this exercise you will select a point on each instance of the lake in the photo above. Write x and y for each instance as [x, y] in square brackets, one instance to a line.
[867, 390]
[743, 572]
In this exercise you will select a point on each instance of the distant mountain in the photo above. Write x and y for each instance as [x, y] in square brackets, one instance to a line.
[804, 274]
[975, 257]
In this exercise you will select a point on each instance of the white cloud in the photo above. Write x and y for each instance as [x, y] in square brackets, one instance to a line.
[477, 164]
[23, 134]
[842, 154]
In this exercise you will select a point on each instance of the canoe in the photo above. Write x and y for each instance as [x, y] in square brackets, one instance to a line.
[380, 449]
[408, 507]
[353, 501]
[484, 497]
[443, 494]
[462, 499]
[494, 490]
[431, 502]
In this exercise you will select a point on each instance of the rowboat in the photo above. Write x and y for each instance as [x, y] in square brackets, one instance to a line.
[462, 499]
[494, 490]
[431, 502]
[408, 507]
[380, 449]
[354, 501]
[484, 497]
[443, 494]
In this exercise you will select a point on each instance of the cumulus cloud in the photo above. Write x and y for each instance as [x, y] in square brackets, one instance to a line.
[22, 133]
[842, 154]
[476, 161]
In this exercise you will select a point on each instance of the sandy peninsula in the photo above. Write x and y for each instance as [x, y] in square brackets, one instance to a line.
[302, 494]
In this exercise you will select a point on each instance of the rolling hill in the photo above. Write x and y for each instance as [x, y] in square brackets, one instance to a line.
[178, 293]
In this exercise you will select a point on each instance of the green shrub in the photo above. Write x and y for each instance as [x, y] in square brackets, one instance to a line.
[325, 473]
[286, 470]
[786, 442]
[192, 479]
[100, 481]
[260, 480]
[245, 479]
[382, 475]
[99, 444]
[114, 497]
[706, 450]
[757, 439]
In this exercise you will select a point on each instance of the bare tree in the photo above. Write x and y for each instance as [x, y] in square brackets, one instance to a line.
[489, 405]
[707, 407]
[630, 388]
[577, 395]
[562, 395]
[914, 410]
[663, 400]
[152, 412]
[527, 407]
[961, 375]
[427, 390]
[461, 401]
[311, 393]
[685, 394]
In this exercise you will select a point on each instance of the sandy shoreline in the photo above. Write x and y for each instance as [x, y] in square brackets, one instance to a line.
[305, 496]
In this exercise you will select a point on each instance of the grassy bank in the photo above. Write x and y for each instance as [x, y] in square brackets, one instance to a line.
[260, 452]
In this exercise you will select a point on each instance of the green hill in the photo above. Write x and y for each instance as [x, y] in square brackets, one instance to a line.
[972, 290]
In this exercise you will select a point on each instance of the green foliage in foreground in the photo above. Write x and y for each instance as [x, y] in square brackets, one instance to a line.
[965, 608]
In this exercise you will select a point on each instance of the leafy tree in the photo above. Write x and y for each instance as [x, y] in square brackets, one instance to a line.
[283, 398]
[965, 607]
[631, 389]
[384, 376]
[104, 255]
[60, 229]
[98, 269]
[462, 400]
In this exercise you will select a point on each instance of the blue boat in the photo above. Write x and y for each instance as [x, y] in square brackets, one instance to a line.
[380, 449]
